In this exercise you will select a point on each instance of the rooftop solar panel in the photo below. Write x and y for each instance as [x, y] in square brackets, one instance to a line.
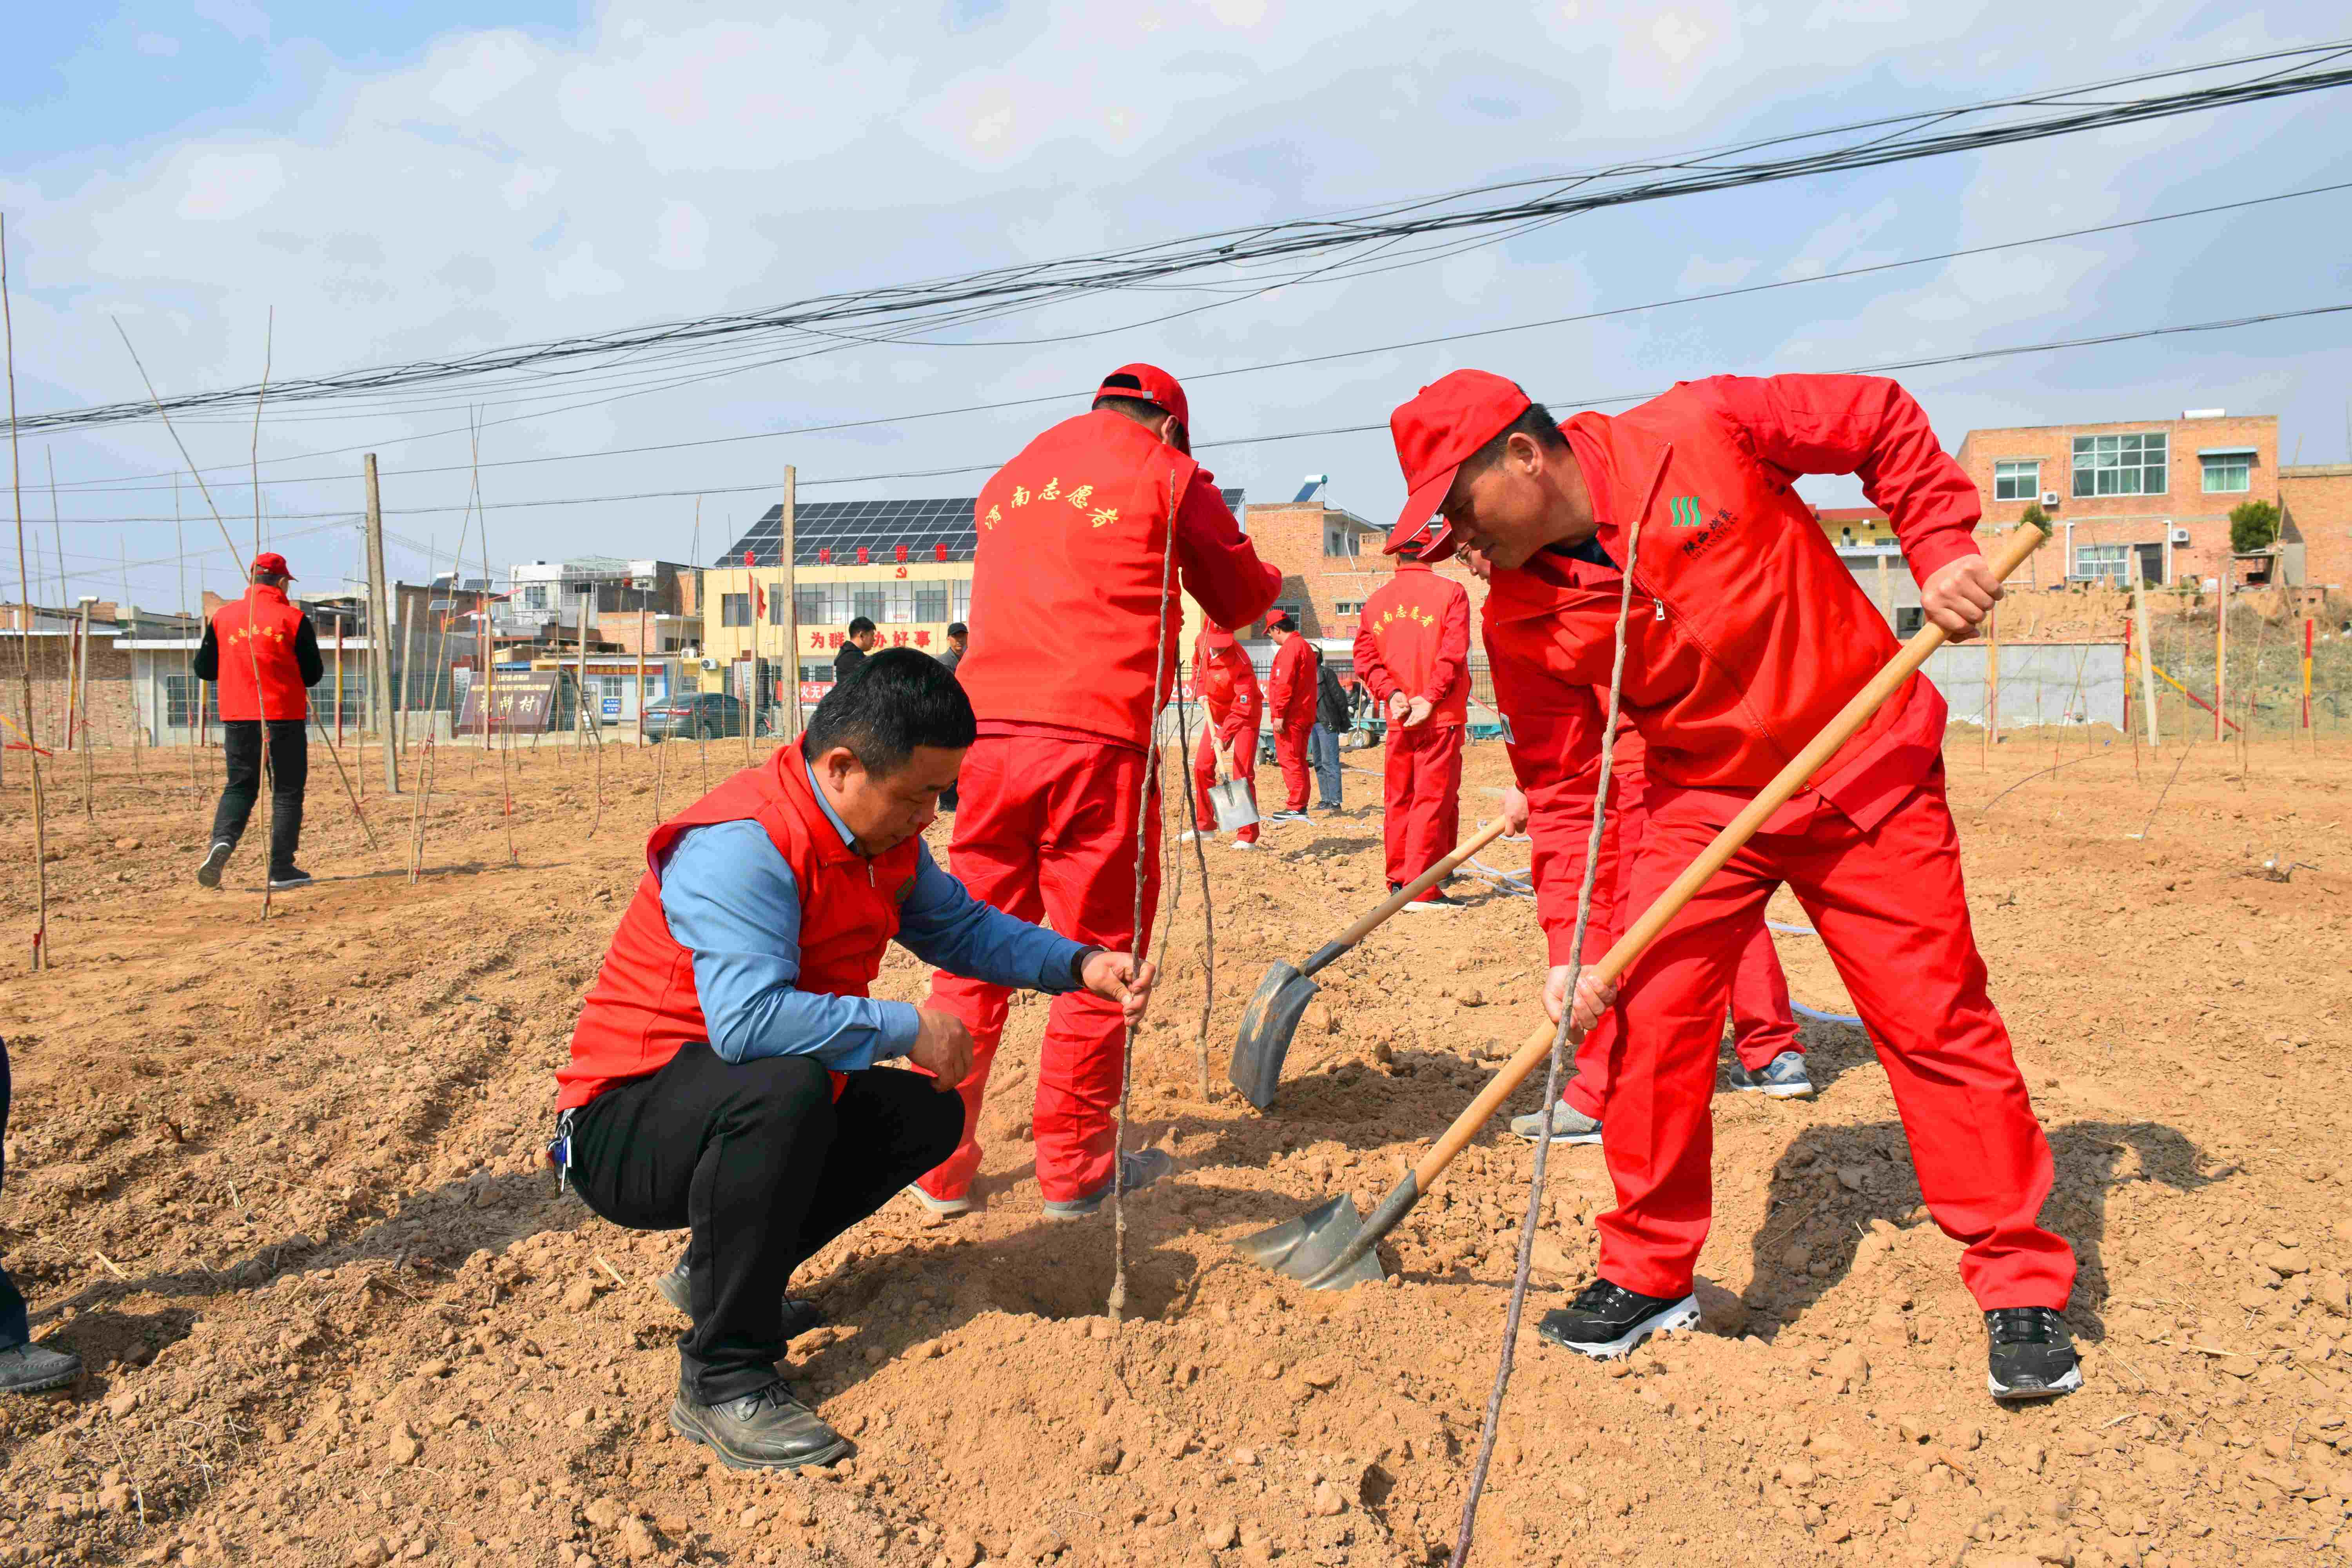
[918, 523]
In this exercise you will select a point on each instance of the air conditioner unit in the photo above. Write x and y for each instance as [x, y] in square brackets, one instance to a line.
[708, 663]
[2049, 498]
[2180, 536]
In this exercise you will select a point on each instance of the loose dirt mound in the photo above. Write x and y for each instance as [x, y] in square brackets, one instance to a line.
[277, 1183]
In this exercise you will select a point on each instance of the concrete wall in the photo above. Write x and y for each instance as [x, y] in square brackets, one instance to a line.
[2041, 683]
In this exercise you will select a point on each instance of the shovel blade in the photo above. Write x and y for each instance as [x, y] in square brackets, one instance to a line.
[1267, 1024]
[1302, 1248]
[1233, 805]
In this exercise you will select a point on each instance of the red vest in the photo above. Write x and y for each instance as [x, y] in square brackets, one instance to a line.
[255, 637]
[1290, 686]
[643, 1006]
[1747, 634]
[1067, 582]
[1406, 627]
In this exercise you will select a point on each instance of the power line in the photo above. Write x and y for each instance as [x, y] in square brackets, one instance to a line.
[93, 486]
[962, 298]
[2136, 334]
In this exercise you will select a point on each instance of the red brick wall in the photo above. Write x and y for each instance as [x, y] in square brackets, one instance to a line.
[2318, 500]
[2130, 519]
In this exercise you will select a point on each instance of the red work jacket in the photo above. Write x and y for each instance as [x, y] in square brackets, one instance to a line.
[1290, 686]
[255, 638]
[1747, 634]
[1069, 578]
[644, 1005]
[1415, 637]
[1227, 684]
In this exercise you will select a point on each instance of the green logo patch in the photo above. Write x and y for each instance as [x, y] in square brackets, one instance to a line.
[1687, 512]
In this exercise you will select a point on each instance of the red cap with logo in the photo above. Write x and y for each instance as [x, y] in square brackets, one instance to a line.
[271, 564]
[1435, 433]
[1151, 384]
[1215, 638]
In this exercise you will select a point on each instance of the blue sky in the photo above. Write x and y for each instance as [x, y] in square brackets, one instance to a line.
[436, 180]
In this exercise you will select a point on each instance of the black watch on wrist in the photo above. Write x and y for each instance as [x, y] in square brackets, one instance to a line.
[1078, 966]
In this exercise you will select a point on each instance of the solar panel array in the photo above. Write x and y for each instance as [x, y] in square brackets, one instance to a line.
[841, 526]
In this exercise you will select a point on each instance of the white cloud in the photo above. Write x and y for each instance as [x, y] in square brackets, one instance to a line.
[220, 186]
[1700, 275]
[682, 237]
[158, 44]
[487, 69]
[581, 276]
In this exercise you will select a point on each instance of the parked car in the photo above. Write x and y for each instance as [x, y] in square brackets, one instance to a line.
[699, 715]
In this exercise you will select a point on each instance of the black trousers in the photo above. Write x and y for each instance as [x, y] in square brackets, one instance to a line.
[290, 769]
[763, 1166]
[13, 1329]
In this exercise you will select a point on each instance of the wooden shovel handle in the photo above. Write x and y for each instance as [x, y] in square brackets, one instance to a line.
[1418, 885]
[2022, 542]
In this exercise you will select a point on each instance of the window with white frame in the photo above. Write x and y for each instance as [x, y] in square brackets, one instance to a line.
[962, 610]
[2131, 465]
[1347, 607]
[534, 596]
[2103, 562]
[734, 609]
[2017, 478]
[181, 695]
[2228, 473]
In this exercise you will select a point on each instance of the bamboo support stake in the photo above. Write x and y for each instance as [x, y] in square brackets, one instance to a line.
[641, 675]
[788, 606]
[379, 628]
[2147, 661]
[580, 715]
[1993, 681]
[25, 631]
[339, 678]
[187, 657]
[2221, 645]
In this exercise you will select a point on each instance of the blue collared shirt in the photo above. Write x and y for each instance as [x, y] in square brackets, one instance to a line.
[729, 896]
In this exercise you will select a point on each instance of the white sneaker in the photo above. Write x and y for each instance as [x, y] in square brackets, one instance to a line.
[1192, 835]
[1241, 844]
[944, 1206]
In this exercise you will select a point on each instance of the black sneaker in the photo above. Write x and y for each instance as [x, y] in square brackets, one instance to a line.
[2029, 1354]
[208, 873]
[1606, 1321]
[801, 1315]
[769, 1430]
[291, 876]
[36, 1369]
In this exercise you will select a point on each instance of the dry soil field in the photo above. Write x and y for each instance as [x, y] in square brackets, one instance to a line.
[277, 1183]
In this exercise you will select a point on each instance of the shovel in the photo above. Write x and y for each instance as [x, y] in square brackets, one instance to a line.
[1235, 808]
[1272, 1016]
[1330, 1247]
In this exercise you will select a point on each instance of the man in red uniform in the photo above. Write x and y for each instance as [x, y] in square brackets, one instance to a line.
[263, 652]
[1748, 636]
[1290, 708]
[1413, 652]
[723, 1073]
[1227, 684]
[1074, 541]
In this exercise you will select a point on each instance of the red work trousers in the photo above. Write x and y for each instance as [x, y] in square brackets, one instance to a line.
[1205, 773]
[1888, 905]
[1423, 798]
[1290, 752]
[1045, 829]
[1762, 1023]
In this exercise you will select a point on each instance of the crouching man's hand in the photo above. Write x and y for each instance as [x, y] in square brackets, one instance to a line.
[1593, 995]
[942, 1047]
[1114, 977]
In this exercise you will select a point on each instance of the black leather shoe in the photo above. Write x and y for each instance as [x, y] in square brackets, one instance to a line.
[769, 1430]
[801, 1314]
[2029, 1354]
[36, 1369]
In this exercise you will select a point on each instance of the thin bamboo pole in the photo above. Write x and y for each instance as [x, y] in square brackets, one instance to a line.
[25, 631]
[138, 721]
[188, 682]
[2221, 646]
[81, 713]
[2147, 660]
[641, 675]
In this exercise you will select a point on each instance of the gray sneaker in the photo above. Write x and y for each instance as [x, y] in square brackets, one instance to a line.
[1143, 1167]
[946, 1208]
[1568, 1125]
[209, 874]
[36, 1369]
[1783, 1077]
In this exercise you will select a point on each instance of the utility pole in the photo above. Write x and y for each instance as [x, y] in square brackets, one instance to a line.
[790, 610]
[580, 730]
[380, 632]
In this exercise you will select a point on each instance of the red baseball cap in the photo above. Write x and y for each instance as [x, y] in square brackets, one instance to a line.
[1152, 385]
[1435, 433]
[1215, 636]
[270, 562]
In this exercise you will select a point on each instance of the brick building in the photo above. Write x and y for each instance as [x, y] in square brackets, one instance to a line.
[2148, 497]
[2316, 516]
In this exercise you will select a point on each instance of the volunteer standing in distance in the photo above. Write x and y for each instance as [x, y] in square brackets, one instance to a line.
[263, 654]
